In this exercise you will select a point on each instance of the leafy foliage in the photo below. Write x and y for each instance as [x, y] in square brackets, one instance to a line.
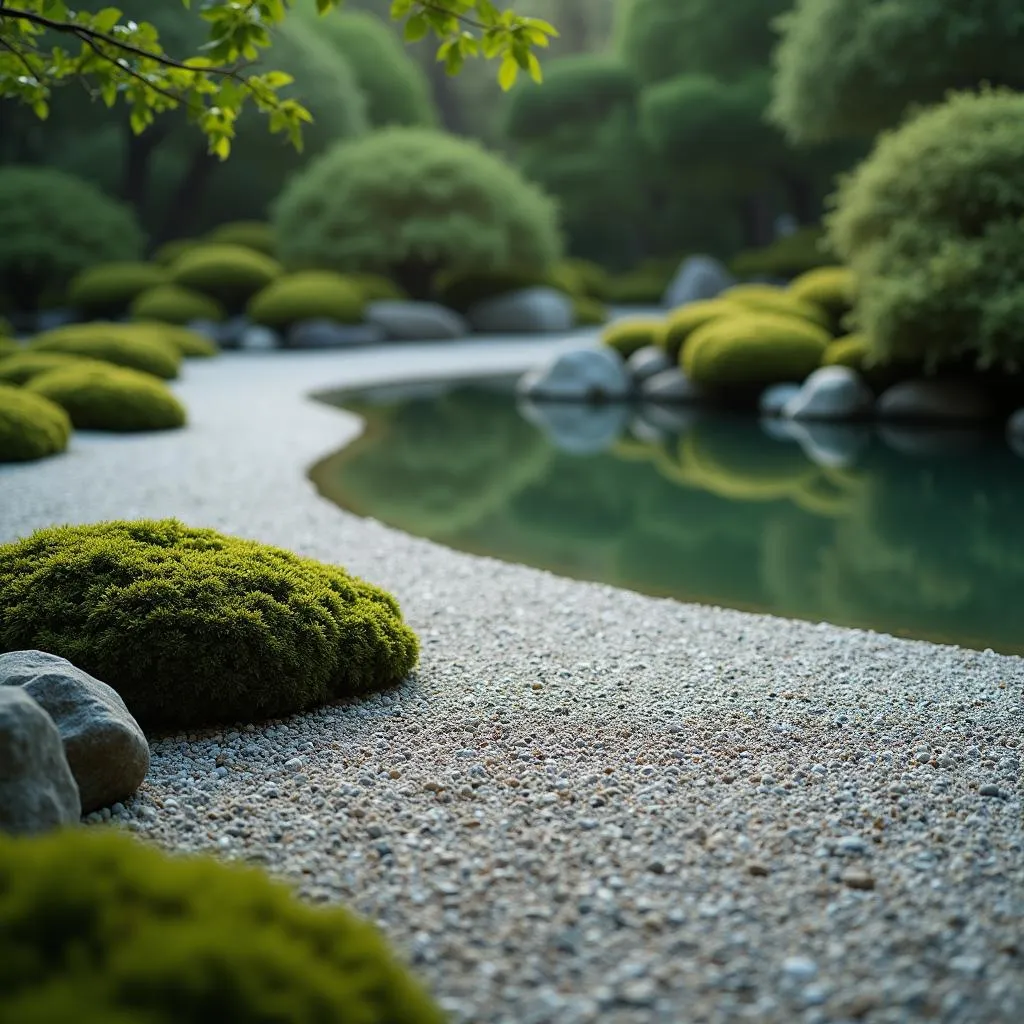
[120, 344]
[174, 304]
[831, 288]
[31, 427]
[194, 628]
[308, 295]
[230, 274]
[789, 256]
[107, 289]
[190, 344]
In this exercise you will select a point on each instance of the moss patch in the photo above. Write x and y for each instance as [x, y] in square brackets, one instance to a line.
[31, 427]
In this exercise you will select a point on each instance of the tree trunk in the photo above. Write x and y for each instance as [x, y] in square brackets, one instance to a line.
[756, 218]
[802, 201]
[137, 162]
[183, 208]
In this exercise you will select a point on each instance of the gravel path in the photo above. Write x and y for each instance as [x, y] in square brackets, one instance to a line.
[587, 805]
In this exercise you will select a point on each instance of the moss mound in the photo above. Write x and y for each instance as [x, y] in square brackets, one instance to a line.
[96, 926]
[169, 252]
[763, 298]
[191, 344]
[25, 366]
[308, 295]
[375, 287]
[253, 234]
[8, 347]
[583, 278]
[461, 289]
[111, 398]
[109, 288]
[589, 312]
[632, 334]
[121, 344]
[644, 286]
[231, 274]
[853, 351]
[194, 628]
[831, 288]
[684, 320]
[173, 304]
[31, 427]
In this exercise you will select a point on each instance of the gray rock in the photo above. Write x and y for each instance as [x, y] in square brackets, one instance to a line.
[920, 441]
[37, 790]
[578, 428]
[776, 397]
[698, 277]
[330, 334]
[645, 430]
[207, 328]
[932, 401]
[416, 321]
[105, 748]
[674, 420]
[538, 310]
[832, 445]
[51, 319]
[646, 362]
[1015, 432]
[783, 431]
[670, 386]
[831, 393]
[586, 374]
[257, 338]
[231, 332]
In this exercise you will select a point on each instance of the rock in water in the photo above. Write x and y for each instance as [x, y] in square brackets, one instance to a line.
[831, 393]
[646, 362]
[587, 374]
[402, 320]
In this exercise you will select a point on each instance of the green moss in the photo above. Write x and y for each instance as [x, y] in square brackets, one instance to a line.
[191, 344]
[25, 366]
[31, 427]
[231, 274]
[96, 926]
[786, 257]
[461, 289]
[107, 289]
[194, 628]
[584, 277]
[763, 298]
[253, 234]
[684, 320]
[111, 398]
[173, 304]
[121, 344]
[308, 295]
[633, 333]
[641, 287]
[589, 312]
[169, 252]
[853, 351]
[375, 287]
[8, 347]
[831, 288]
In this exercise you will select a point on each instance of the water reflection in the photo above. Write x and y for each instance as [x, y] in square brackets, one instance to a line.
[908, 532]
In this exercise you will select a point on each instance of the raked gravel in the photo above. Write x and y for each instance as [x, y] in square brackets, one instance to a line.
[587, 804]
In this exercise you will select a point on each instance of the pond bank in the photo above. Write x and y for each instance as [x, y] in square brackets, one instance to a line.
[588, 804]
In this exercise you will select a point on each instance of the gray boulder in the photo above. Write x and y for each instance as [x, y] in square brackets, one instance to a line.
[582, 375]
[934, 401]
[330, 334]
[670, 386]
[257, 338]
[831, 393]
[37, 790]
[539, 310]
[698, 277]
[776, 397]
[1015, 432]
[207, 328]
[230, 333]
[577, 428]
[925, 441]
[646, 362]
[105, 748]
[416, 321]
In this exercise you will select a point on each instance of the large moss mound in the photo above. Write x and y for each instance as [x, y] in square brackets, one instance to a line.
[31, 427]
[308, 295]
[25, 366]
[120, 344]
[107, 289]
[97, 927]
[194, 628]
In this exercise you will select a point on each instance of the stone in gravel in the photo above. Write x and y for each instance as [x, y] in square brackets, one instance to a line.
[586, 374]
[858, 880]
[403, 320]
[258, 338]
[322, 333]
[799, 968]
[698, 277]
[106, 749]
[670, 386]
[830, 393]
[989, 789]
[37, 790]
[757, 869]
[648, 361]
[540, 310]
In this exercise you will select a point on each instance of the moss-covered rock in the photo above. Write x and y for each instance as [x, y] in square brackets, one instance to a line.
[194, 628]
[31, 427]
[308, 295]
[108, 289]
[589, 312]
[174, 304]
[684, 320]
[96, 926]
[253, 234]
[461, 289]
[231, 274]
[763, 298]
[852, 350]
[377, 287]
[831, 288]
[191, 344]
[121, 344]
[8, 347]
[111, 398]
[631, 334]
[22, 367]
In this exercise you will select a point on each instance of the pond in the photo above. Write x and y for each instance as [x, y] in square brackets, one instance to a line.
[907, 532]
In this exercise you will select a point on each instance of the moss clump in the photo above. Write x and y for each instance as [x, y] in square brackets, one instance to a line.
[308, 295]
[831, 288]
[25, 366]
[191, 344]
[645, 286]
[589, 312]
[121, 344]
[111, 398]
[461, 289]
[763, 298]
[253, 234]
[96, 926]
[375, 287]
[684, 320]
[853, 351]
[582, 278]
[109, 288]
[169, 252]
[173, 304]
[194, 628]
[632, 334]
[31, 427]
[8, 347]
[231, 274]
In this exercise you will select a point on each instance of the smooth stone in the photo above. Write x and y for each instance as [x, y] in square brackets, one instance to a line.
[586, 374]
[209, 329]
[698, 277]
[576, 428]
[776, 397]
[648, 361]
[929, 442]
[1015, 432]
[37, 790]
[934, 401]
[416, 321]
[674, 420]
[831, 445]
[539, 310]
[670, 386]
[322, 333]
[257, 338]
[106, 749]
[231, 332]
[831, 393]
[51, 319]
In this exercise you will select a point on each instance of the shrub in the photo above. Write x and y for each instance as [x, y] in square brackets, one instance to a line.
[589, 312]
[308, 295]
[584, 278]
[52, 227]
[409, 202]
[191, 344]
[252, 234]
[790, 256]
[684, 320]
[831, 288]
[194, 628]
[853, 351]
[8, 347]
[645, 285]
[460, 290]
[110, 398]
[22, 367]
[121, 344]
[31, 427]
[107, 289]
[632, 334]
[174, 304]
[97, 926]
[763, 298]
[753, 350]
[170, 252]
[938, 257]
[231, 274]
[375, 287]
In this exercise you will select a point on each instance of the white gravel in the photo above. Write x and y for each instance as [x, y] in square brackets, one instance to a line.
[587, 805]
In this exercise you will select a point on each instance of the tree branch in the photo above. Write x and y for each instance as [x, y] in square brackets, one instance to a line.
[128, 69]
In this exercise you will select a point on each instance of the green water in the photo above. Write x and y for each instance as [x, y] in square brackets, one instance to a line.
[914, 534]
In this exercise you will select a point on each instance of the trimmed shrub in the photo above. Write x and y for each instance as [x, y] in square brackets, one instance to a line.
[584, 278]
[684, 320]
[632, 334]
[410, 202]
[752, 350]
[170, 252]
[375, 287]
[831, 288]
[645, 285]
[852, 351]
[110, 398]
[121, 344]
[308, 295]
[763, 298]
[173, 304]
[107, 289]
[252, 234]
[194, 628]
[52, 227]
[790, 256]
[589, 312]
[191, 344]
[25, 366]
[8, 347]
[98, 926]
[31, 427]
[231, 274]
[459, 290]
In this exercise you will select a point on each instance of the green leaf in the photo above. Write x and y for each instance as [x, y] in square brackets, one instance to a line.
[416, 28]
[508, 72]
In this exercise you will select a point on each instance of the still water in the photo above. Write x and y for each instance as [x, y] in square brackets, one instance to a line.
[914, 533]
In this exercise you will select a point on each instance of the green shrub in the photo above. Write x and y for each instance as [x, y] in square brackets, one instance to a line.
[191, 344]
[31, 427]
[930, 226]
[308, 295]
[790, 256]
[584, 278]
[589, 312]
[231, 274]
[52, 227]
[193, 628]
[121, 344]
[174, 304]
[853, 351]
[684, 320]
[8, 347]
[107, 289]
[252, 234]
[632, 334]
[170, 252]
[22, 367]
[752, 350]
[645, 285]
[110, 398]
[460, 290]
[763, 298]
[410, 202]
[98, 926]
[375, 287]
[831, 288]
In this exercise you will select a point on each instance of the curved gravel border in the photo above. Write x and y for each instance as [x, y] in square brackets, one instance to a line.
[587, 805]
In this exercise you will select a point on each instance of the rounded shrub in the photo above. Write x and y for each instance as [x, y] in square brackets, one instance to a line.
[111, 398]
[789, 256]
[252, 234]
[98, 926]
[31, 427]
[461, 289]
[410, 202]
[107, 289]
[194, 628]
[308, 295]
[173, 304]
[22, 367]
[684, 320]
[120, 344]
[375, 287]
[633, 333]
[169, 252]
[582, 277]
[853, 351]
[643, 286]
[589, 312]
[763, 298]
[830, 288]
[231, 274]
[8, 347]
[190, 344]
